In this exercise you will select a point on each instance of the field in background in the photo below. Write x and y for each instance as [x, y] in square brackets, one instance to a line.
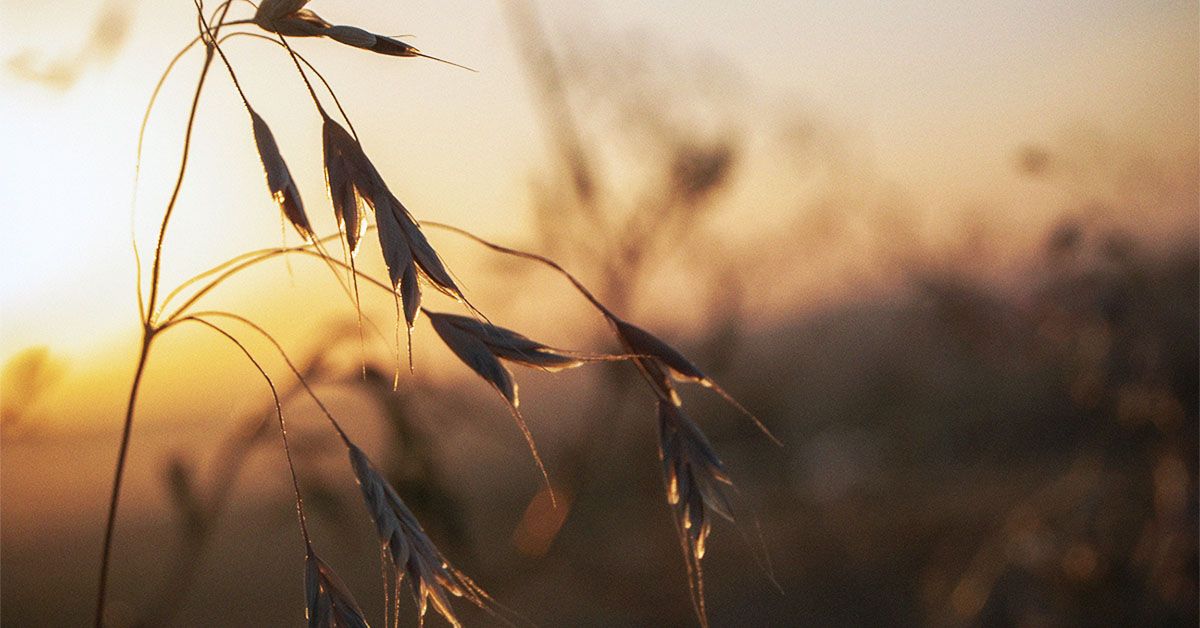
[954, 454]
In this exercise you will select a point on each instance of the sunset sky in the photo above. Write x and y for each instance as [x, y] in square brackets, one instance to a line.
[933, 98]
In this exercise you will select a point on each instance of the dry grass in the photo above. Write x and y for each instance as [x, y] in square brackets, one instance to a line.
[359, 197]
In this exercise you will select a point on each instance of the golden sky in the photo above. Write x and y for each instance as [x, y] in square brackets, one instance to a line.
[932, 98]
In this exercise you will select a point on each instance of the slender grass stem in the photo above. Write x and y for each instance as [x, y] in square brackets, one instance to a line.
[137, 168]
[149, 330]
[349, 252]
[122, 455]
[282, 353]
[278, 412]
[311, 92]
[328, 88]
[227, 264]
[216, 45]
[156, 269]
[529, 256]
[237, 264]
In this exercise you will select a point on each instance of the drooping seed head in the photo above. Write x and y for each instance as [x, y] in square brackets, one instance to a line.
[432, 578]
[657, 359]
[353, 183]
[695, 482]
[410, 293]
[693, 473]
[426, 258]
[359, 38]
[329, 603]
[660, 360]
[279, 178]
[289, 18]
[481, 346]
[475, 353]
[508, 344]
[642, 342]
[350, 178]
[398, 256]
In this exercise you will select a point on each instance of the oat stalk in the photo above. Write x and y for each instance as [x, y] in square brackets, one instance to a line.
[149, 331]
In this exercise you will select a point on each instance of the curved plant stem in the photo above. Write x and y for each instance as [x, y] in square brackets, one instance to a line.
[287, 451]
[156, 269]
[137, 167]
[235, 265]
[229, 463]
[148, 332]
[644, 363]
[283, 354]
[587, 294]
[116, 489]
[162, 79]
[223, 266]
[311, 67]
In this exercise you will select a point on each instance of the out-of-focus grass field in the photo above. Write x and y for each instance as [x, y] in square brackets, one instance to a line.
[955, 455]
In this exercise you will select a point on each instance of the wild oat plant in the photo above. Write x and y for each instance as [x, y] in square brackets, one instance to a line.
[696, 481]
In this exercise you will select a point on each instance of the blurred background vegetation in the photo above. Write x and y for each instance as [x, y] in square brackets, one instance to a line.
[980, 429]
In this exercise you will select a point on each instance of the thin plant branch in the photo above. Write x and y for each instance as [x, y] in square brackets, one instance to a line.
[148, 333]
[279, 413]
[291, 365]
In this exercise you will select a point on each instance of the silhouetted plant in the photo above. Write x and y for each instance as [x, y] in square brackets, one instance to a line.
[359, 196]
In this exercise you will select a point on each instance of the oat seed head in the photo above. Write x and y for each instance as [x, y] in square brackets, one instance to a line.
[432, 579]
[329, 603]
[359, 38]
[348, 177]
[663, 359]
[289, 18]
[353, 183]
[275, 9]
[643, 342]
[475, 353]
[469, 345]
[279, 178]
[426, 258]
[695, 482]
[511, 346]
[275, 17]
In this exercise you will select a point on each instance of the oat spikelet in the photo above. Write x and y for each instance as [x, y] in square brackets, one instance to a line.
[359, 38]
[663, 359]
[424, 256]
[347, 177]
[269, 10]
[279, 178]
[354, 184]
[432, 579]
[291, 19]
[482, 345]
[329, 602]
[512, 346]
[653, 356]
[695, 482]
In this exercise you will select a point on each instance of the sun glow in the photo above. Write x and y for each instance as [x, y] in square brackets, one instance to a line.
[459, 146]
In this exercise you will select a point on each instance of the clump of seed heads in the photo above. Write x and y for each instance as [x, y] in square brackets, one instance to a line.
[695, 479]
